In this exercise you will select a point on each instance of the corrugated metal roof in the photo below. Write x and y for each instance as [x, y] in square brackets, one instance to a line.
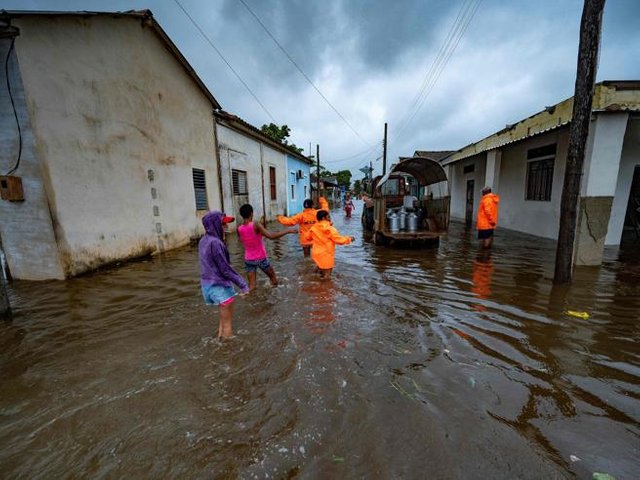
[436, 155]
[609, 97]
[146, 16]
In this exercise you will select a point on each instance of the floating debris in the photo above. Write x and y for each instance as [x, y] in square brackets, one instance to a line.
[602, 476]
[582, 315]
[574, 459]
[337, 459]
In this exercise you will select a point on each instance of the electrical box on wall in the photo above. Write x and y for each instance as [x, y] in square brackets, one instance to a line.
[11, 189]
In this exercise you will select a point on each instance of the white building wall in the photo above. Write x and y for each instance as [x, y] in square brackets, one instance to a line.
[108, 103]
[458, 184]
[240, 152]
[630, 159]
[274, 158]
[540, 218]
[26, 228]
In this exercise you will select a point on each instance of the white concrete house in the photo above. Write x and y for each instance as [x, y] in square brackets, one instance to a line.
[115, 137]
[525, 162]
[253, 168]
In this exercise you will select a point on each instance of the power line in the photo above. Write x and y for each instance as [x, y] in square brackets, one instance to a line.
[225, 60]
[458, 28]
[302, 73]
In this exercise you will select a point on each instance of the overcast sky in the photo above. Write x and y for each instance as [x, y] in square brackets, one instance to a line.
[370, 59]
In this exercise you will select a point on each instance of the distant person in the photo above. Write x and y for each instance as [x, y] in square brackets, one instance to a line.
[367, 212]
[324, 205]
[487, 216]
[324, 238]
[216, 274]
[305, 219]
[250, 234]
[348, 206]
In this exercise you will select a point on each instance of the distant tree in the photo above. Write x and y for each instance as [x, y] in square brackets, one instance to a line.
[279, 134]
[343, 177]
[357, 187]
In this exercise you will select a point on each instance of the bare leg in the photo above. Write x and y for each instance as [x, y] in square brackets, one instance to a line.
[325, 273]
[486, 242]
[271, 273]
[226, 316]
[251, 278]
[306, 250]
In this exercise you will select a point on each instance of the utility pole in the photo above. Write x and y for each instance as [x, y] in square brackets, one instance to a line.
[318, 176]
[384, 150]
[590, 27]
[5, 308]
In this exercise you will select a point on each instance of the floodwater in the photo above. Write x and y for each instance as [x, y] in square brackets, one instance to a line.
[443, 363]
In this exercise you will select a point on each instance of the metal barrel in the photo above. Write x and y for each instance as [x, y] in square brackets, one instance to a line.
[412, 222]
[394, 223]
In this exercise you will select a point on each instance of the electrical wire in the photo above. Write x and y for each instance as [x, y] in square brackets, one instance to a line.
[458, 28]
[195, 24]
[13, 105]
[306, 77]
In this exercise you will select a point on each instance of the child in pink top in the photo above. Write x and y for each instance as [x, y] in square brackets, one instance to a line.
[250, 234]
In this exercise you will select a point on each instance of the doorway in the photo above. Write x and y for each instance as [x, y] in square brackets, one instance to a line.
[631, 231]
[468, 215]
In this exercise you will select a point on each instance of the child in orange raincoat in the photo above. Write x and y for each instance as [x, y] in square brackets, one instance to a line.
[306, 219]
[324, 238]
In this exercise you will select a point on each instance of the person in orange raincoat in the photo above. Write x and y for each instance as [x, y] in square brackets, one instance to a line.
[306, 219]
[323, 204]
[324, 238]
[487, 216]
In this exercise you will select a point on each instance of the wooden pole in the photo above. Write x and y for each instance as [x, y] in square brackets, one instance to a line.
[5, 307]
[590, 27]
[384, 150]
[317, 176]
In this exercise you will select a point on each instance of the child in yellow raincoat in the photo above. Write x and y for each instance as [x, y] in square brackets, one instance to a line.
[324, 238]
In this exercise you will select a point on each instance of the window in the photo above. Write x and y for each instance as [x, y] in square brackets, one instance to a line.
[239, 179]
[305, 191]
[540, 173]
[272, 182]
[469, 168]
[200, 189]
[391, 187]
[293, 185]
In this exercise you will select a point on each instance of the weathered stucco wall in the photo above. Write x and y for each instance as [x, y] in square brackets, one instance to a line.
[274, 158]
[239, 151]
[26, 227]
[108, 104]
[540, 218]
[458, 184]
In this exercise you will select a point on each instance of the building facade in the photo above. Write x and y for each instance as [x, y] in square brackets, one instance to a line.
[298, 184]
[114, 142]
[525, 164]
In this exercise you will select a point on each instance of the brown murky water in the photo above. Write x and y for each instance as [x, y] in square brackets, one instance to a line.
[408, 364]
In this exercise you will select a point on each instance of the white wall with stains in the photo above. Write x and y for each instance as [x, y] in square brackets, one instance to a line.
[118, 126]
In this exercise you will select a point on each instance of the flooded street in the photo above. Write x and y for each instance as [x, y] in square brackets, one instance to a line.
[445, 363]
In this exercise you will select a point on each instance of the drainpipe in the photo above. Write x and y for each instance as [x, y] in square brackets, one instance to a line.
[217, 149]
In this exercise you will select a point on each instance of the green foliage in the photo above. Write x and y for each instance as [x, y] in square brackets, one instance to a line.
[357, 187]
[343, 178]
[279, 134]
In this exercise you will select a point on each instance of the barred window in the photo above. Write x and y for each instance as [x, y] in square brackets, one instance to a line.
[239, 179]
[200, 189]
[540, 173]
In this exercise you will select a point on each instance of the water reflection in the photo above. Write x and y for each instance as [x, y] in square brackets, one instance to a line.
[445, 360]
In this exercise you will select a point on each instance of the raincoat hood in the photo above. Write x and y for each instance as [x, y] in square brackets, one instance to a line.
[212, 222]
[492, 197]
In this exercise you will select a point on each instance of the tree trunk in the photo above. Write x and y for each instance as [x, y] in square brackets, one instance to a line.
[590, 27]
